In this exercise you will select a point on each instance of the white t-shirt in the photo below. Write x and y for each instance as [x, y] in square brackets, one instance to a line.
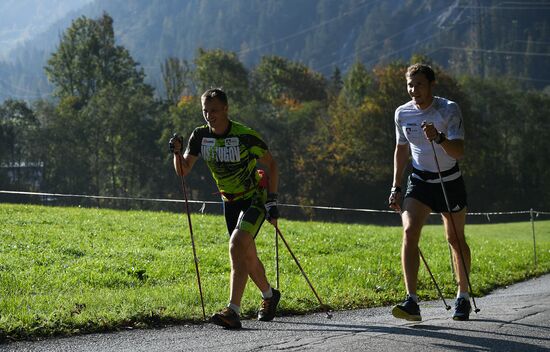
[446, 117]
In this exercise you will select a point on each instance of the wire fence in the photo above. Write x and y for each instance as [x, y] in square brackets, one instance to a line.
[50, 198]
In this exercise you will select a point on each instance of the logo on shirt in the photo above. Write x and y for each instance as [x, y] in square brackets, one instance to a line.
[411, 128]
[208, 141]
[229, 152]
[232, 142]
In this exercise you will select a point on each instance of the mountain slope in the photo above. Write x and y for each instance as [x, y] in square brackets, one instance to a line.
[484, 37]
[22, 20]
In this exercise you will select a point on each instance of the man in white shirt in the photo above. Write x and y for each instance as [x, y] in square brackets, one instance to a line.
[424, 120]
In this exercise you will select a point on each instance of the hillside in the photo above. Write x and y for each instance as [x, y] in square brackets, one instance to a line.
[22, 20]
[485, 38]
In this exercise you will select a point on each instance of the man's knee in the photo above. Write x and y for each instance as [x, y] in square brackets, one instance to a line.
[239, 244]
[412, 226]
[236, 242]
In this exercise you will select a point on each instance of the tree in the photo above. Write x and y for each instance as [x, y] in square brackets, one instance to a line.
[335, 84]
[279, 79]
[87, 59]
[18, 141]
[176, 76]
[65, 148]
[357, 84]
[121, 136]
[104, 125]
[506, 132]
[217, 68]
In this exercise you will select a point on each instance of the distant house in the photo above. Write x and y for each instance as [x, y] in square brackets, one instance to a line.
[23, 173]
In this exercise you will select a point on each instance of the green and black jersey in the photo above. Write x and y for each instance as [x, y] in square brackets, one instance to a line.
[231, 157]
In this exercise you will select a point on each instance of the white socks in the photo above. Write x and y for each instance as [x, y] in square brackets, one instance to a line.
[464, 295]
[235, 308]
[267, 294]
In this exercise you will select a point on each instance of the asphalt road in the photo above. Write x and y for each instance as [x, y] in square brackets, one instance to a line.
[516, 318]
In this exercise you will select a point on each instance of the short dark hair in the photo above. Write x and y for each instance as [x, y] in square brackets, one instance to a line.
[215, 93]
[421, 68]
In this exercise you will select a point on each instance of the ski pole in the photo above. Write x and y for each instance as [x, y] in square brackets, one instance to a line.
[326, 309]
[476, 309]
[184, 190]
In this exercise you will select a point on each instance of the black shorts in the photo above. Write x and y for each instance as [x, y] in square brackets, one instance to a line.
[431, 194]
[246, 214]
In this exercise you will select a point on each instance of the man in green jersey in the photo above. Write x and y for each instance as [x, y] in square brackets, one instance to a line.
[231, 151]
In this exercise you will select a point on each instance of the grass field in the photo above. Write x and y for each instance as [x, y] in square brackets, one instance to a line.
[75, 270]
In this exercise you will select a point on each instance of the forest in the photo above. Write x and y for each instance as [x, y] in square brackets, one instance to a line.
[107, 130]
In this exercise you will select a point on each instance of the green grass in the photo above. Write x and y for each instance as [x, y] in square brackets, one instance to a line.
[73, 270]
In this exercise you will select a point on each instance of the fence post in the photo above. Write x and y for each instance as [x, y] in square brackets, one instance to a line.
[533, 230]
